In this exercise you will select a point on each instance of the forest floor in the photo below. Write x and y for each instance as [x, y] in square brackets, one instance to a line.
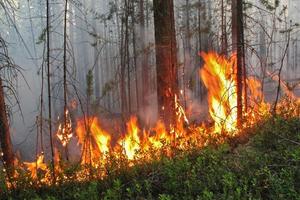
[265, 165]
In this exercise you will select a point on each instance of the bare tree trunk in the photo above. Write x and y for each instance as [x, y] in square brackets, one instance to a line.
[200, 45]
[6, 145]
[238, 47]
[65, 76]
[135, 57]
[127, 55]
[122, 73]
[49, 88]
[145, 70]
[187, 52]
[166, 61]
[97, 67]
[224, 45]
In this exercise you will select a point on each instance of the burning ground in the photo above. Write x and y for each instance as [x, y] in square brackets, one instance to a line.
[182, 159]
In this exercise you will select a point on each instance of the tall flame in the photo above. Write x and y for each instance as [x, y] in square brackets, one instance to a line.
[131, 142]
[218, 76]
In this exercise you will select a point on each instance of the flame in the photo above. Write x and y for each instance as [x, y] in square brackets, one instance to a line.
[64, 132]
[33, 167]
[217, 75]
[131, 142]
[94, 141]
[160, 137]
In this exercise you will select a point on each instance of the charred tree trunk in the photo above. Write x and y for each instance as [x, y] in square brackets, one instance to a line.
[166, 61]
[238, 47]
[6, 145]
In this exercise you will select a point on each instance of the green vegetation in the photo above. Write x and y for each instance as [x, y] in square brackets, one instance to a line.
[265, 166]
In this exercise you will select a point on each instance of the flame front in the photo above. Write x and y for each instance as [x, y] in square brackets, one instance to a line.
[133, 143]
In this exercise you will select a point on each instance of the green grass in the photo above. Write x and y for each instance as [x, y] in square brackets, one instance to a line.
[265, 166]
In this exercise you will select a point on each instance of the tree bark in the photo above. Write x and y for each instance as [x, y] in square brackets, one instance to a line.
[238, 47]
[224, 45]
[6, 145]
[65, 75]
[166, 61]
[145, 70]
[49, 87]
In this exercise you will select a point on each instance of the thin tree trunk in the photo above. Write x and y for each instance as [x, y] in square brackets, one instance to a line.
[135, 58]
[145, 70]
[237, 42]
[127, 55]
[49, 89]
[122, 75]
[65, 78]
[224, 44]
[200, 47]
[187, 53]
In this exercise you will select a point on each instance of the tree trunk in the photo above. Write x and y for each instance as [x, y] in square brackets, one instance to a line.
[145, 70]
[224, 45]
[135, 56]
[65, 76]
[238, 47]
[6, 145]
[127, 53]
[200, 47]
[187, 53]
[166, 61]
[122, 71]
[49, 88]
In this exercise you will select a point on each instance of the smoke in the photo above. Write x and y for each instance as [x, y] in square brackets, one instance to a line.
[148, 114]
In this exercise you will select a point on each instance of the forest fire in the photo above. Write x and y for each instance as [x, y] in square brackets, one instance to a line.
[35, 166]
[94, 140]
[97, 144]
[64, 132]
[218, 77]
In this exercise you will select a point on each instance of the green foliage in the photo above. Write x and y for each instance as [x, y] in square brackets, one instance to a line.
[266, 167]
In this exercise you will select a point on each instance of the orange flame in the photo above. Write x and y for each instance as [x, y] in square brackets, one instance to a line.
[217, 75]
[64, 132]
[33, 167]
[94, 140]
[131, 142]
